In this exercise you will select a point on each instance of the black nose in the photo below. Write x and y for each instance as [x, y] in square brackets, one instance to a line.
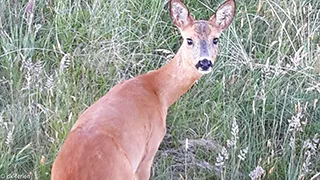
[205, 64]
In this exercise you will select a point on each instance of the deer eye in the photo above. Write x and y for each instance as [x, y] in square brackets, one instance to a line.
[189, 41]
[215, 41]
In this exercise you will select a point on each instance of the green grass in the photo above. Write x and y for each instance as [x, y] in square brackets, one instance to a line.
[61, 56]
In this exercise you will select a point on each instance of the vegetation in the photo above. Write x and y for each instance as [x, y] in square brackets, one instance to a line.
[256, 116]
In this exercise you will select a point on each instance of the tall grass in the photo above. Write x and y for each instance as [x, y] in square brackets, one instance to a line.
[256, 116]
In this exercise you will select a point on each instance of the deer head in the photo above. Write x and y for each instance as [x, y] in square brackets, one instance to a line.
[200, 37]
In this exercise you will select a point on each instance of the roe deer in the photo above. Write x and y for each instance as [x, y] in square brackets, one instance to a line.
[117, 137]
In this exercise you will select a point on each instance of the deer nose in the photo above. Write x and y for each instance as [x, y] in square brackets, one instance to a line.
[205, 64]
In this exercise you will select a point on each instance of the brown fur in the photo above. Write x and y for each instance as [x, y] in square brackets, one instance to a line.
[202, 29]
[117, 137]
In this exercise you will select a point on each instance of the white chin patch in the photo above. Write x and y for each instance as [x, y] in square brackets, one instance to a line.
[204, 71]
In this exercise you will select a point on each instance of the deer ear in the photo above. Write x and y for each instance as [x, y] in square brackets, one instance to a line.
[179, 14]
[224, 15]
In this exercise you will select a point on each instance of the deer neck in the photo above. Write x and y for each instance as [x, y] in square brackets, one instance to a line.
[174, 79]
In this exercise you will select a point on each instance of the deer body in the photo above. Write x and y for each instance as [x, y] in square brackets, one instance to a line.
[117, 137]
